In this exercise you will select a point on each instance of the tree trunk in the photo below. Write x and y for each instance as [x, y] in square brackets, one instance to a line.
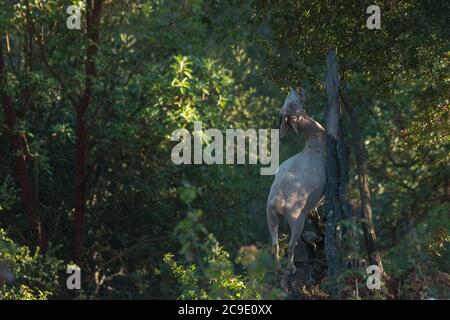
[17, 142]
[336, 207]
[93, 14]
[331, 206]
[366, 209]
[80, 185]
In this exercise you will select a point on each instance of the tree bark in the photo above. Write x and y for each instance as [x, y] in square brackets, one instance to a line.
[331, 206]
[363, 182]
[17, 142]
[336, 207]
[93, 15]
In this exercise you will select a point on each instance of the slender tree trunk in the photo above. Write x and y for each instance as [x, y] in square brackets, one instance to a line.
[93, 15]
[80, 185]
[336, 207]
[331, 206]
[361, 167]
[17, 142]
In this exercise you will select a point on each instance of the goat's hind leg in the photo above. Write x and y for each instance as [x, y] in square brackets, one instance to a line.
[296, 230]
[273, 221]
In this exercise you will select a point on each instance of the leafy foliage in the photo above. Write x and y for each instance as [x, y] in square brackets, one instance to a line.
[210, 273]
[156, 230]
[36, 274]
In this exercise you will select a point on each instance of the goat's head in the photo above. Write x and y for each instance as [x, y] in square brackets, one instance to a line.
[291, 110]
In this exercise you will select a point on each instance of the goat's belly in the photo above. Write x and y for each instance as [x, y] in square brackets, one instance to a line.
[311, 173]
[307, 187]
[300, 185]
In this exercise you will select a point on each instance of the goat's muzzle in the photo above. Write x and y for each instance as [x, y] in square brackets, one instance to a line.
[290, 121]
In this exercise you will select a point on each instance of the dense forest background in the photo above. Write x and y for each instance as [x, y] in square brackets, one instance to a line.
[86, 115]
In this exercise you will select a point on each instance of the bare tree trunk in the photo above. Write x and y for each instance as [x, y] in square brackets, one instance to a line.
[361, 167]
[93, 15]
[336, 207]
[17, 142]
[80, 185]
[331, 206]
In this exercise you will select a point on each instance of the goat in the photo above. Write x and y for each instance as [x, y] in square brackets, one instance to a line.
[299, 182]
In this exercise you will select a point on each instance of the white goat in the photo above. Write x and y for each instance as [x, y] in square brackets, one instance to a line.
[299, 181]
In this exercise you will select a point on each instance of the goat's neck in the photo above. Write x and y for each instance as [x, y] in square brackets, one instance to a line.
[315, 141]
[314, 133]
